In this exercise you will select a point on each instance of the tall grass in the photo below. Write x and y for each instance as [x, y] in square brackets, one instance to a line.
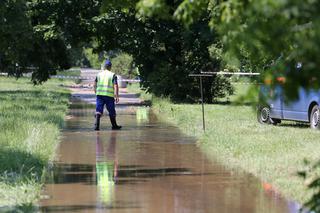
[72, 72]
[30, 120]
[135, 88]
[233, 136]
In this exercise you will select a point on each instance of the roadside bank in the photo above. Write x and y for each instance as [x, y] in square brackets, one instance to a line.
[30, 121]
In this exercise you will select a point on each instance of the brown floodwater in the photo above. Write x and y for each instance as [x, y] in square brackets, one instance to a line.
[147, 167]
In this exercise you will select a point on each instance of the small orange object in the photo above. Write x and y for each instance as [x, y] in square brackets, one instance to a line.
[267, 187]
[281, 80]
[267, 81]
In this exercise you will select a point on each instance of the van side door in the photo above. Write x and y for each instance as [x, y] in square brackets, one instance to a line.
[297, 109]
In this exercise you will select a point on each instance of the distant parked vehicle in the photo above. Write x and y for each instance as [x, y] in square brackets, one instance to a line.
[274, 109]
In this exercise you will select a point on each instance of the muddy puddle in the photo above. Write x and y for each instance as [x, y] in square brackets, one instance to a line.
[148, 167]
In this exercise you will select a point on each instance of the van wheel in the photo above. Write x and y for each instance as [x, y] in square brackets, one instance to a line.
[315, 117]
[263, 115]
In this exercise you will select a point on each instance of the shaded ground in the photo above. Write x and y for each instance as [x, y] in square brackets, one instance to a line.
[148, 166]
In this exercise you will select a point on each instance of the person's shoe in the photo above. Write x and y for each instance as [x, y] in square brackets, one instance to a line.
[116, 127]
[97, 122]
[114, 123]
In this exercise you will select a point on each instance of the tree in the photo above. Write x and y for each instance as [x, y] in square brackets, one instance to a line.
[311, 176]
[40, 34]
[60, 26]
[15, 33]
[164, 50]
[273, 36]
[122, 64]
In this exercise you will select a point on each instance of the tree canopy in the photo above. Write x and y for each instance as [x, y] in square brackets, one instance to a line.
[162, 48]
[271, 37]
[38, 35]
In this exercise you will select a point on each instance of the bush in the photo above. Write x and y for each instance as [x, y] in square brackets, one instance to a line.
[311, 175]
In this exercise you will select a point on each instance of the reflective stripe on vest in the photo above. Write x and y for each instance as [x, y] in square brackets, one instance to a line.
[105, 84]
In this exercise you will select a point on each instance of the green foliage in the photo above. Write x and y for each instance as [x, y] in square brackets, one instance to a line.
[94, 60]
[15, 34]
[190, 11]
[221, 88]
[270, 37]
[70, 72]
[311, 176]
[124, 5]
[63, 25]
[164, 51]
[136, 89]
[78, 57]
[153, 8]
[40, 34]
[270, 29]
[26, 44]
[122, 64]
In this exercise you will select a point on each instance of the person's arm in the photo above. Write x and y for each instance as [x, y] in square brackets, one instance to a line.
[95, 85]
[116, 89]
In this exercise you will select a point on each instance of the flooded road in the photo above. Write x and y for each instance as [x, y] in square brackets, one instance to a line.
[147, 167]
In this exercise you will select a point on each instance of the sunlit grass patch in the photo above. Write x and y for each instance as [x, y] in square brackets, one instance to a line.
[273, 153]
[72, 72]
[18, 192]
[30, 121]
[135, 88]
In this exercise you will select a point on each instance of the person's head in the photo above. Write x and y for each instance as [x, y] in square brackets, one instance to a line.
[108, 64]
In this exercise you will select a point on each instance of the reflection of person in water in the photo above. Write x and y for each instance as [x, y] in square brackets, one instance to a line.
[106, 167]
[142, 115]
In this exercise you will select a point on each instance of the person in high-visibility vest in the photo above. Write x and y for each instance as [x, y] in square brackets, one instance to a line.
[107, 92]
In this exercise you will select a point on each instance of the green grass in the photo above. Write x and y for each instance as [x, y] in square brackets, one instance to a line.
[30, 121]
[243, 92]
[71, 72]
[135, 88]
[233, 136]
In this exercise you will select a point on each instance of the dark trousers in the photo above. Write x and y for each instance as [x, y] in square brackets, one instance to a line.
[108, 101]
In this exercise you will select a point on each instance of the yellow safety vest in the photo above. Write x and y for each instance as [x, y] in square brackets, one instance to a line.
[105, 83]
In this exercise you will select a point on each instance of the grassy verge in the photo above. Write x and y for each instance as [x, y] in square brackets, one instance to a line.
[30, 120]
[72, 72]
[135, 88]
[273, 153]
[241, 90]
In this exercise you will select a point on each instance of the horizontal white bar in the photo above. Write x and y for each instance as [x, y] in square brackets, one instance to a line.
[231, 73]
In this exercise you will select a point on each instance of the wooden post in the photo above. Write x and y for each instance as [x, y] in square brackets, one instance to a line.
[201, 91]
